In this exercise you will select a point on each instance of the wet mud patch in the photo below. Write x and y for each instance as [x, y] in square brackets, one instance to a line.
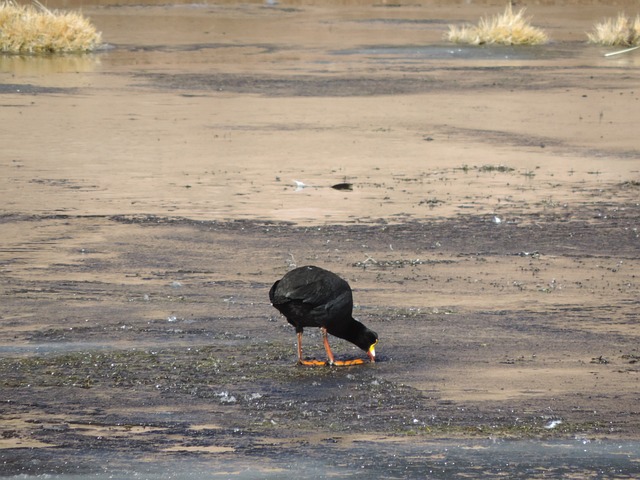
[29, 89]
[408, 82]
[301, 85]
[531, 141]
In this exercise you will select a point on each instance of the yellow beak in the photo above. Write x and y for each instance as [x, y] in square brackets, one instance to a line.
[372, 352]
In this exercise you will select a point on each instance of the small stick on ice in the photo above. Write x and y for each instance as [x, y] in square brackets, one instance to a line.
[611, 54]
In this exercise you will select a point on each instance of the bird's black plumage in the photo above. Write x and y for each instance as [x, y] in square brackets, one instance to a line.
[314, 297]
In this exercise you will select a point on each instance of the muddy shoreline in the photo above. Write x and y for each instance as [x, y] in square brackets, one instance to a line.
[180, 331]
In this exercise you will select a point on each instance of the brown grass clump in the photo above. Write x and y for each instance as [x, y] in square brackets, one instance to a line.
[508, 28]
[35, 29]
[623, 31]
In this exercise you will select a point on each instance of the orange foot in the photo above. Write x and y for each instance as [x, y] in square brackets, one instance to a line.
[312, 363]
[348, 363]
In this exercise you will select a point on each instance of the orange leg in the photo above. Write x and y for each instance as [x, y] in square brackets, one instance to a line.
[325, 340]
[309, 363]
[332, 360]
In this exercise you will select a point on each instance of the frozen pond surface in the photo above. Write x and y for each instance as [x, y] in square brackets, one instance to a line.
[455, 52]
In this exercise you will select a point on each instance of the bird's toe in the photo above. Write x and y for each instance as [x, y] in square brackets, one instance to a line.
[348, 363]
[312, 362]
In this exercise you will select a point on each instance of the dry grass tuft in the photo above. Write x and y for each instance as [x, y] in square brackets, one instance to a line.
[35, 29]
[623, 31]
[508, 28]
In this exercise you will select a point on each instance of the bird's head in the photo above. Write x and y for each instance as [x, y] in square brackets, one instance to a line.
[361, 336]
[367, 341]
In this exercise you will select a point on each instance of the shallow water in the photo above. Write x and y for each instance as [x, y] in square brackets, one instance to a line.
[212, 111]
[389, 459]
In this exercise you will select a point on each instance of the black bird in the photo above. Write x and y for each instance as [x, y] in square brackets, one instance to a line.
[314, 297]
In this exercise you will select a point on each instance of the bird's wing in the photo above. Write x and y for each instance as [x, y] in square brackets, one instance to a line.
[313, 294]
[339, 306]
